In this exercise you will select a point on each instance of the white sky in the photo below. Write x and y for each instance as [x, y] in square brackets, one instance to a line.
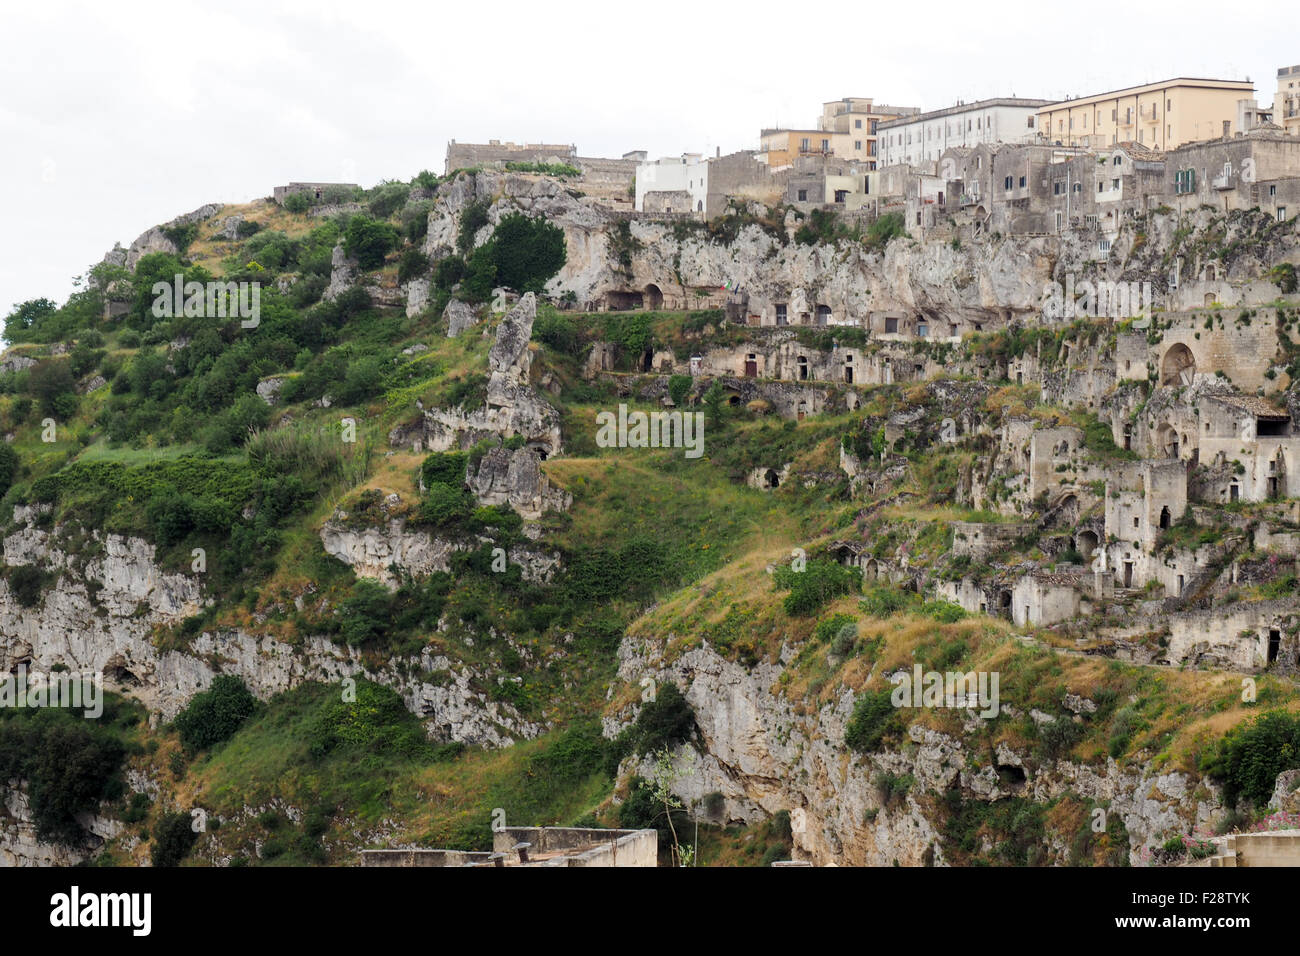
[115, 117]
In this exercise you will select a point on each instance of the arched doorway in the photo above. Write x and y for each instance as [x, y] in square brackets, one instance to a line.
[1167, 440]
[1178, 366]
[1086, 543]
[654, 298]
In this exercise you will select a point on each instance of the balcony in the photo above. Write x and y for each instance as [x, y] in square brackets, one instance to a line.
[1222, 182]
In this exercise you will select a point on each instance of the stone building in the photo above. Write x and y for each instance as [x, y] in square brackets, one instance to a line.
[1259, 169]
[926, 136]
[317, 190]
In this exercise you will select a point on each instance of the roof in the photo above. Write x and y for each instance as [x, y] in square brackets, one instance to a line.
[963, 108]
[1163, 84]
[1255, 406]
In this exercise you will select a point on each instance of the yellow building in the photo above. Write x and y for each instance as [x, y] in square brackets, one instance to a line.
[1286, 102]
[1158, 115]
[846, 130]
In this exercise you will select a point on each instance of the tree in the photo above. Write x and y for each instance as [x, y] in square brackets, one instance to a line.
[8, 466]
[173, 837]
[527, 252]
[48, 382]
[27, 315]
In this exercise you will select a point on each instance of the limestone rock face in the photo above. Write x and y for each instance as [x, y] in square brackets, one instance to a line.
[763, 757]
[460, 316]
[417, 296]
[509, 354]
[374, 550]
[112, 594]
[343, 274]
[269, 389]
[513, 406]
[154, 240]
[515, 478]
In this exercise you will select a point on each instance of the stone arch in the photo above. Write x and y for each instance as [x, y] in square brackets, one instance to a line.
[653, 297]
[1178, 367]
[1085, 543]
[1167, 440]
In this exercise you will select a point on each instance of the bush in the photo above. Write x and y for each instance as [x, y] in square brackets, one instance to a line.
[369, 241]
[297, 203]
[473, 217]
[1251, 755]
[215, 714]
[527, 252]
[821, 581]
[445, 468]
[8, 466]
[1058, 737]
[874, 718]
[444, 504]
[173, 837]
[26, 583]
[376, 722]
[679, 386]
[664, 722]
[413, 265]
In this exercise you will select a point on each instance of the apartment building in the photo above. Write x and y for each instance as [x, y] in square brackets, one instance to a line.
[1286, 102]
[923, 137]
[1162, 115]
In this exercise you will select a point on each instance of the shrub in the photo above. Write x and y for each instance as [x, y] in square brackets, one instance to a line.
[446, 468]
[376, 722]
[444, 504]
[8, 466]
[821, 581]
[527, 252]
[413, 265]
[679, 386]
[664, 722]
[1251, 755]
[473, 217]
[215, 714]
[297, 203]
[874, 718]
[173, 837]
[369, 241]
[1057, 738]
[26, 583]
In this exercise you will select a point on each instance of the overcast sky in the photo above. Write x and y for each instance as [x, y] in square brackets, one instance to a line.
[115, 117]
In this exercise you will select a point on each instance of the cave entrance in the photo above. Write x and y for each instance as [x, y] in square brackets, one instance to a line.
[653, 298]
[1274, 643]
[1164, 517]
[770, 479]
[803, 369]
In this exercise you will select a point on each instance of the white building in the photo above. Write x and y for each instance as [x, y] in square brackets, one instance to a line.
[924, 137]
[674, 184]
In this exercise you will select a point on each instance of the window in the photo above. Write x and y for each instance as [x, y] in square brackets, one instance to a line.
[782, 318]
[803, 144]
[1115, 161]
[1022, 182]
[857, 144]
[866, 185]
[1281, 213]
[1272, 190]
[891, 325]
[857, 124]
[826, 145]
[1031, 122]
[1114, 184]
[1056, 189]
[1078, 187]
[1169, 104]
[841, 195]
[803, 195]
[1006, 183]
[922, 329]
[873, 127]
